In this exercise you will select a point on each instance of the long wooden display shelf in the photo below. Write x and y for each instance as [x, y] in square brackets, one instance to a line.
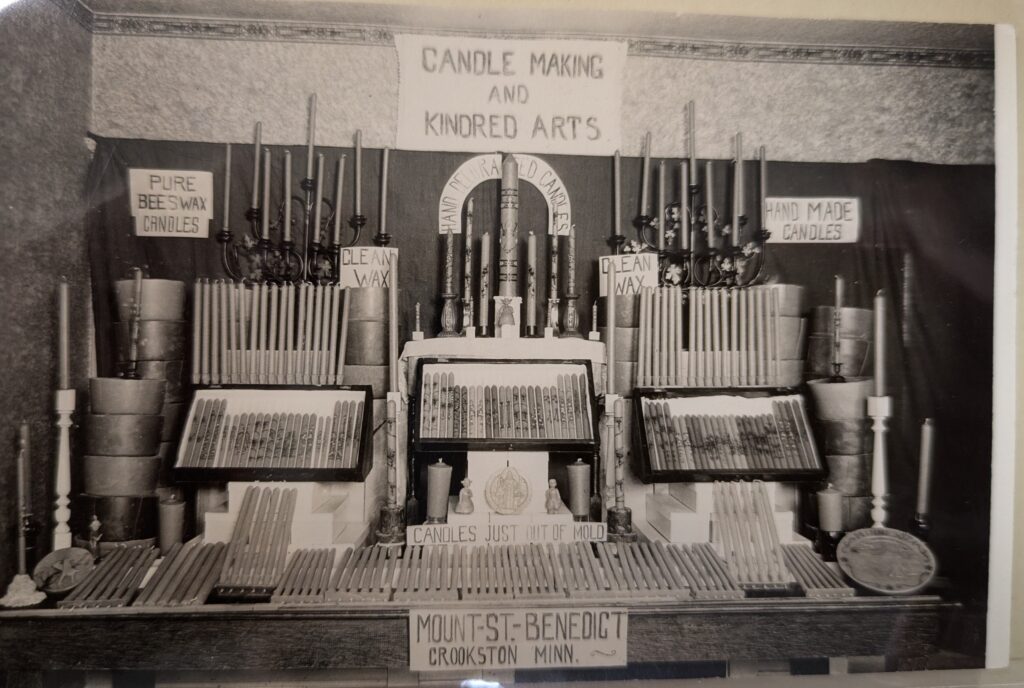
[269, 636]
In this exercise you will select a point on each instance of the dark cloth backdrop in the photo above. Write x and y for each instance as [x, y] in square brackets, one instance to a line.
[941, 320]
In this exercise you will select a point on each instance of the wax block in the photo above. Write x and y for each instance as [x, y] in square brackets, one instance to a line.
[674, 521]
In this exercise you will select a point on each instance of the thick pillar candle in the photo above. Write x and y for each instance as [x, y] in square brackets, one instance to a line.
[830, 510]
[880, 343]
[256, 166]
[384, 191]
[312, 136]
[439, 481]
[924, 476]
[338, 192]
[531, 280]
[287, 218]
[508, 260]
[63, 335]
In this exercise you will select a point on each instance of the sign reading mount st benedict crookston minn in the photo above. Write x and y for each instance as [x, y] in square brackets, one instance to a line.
[485, 94]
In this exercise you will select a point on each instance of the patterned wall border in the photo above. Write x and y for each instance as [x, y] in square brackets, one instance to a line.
[293, 31]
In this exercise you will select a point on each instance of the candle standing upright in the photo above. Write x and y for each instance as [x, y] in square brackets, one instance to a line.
[467, 271]
[226, 223]
[286, 219]
[383, 238]
[484, 313]
[358, 203]
[63, 334]
[311, 144]
[508, 260]
[531, 284]
[661, 205]
[617, 193]
[256, 166]
[338, 193]
[645, 176]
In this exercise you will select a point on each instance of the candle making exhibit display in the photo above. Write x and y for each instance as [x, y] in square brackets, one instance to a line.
[713, 438]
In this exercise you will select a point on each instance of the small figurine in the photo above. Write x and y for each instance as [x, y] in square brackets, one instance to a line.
[553, 499]
[95, 535]
[465, 503]
[505, 314]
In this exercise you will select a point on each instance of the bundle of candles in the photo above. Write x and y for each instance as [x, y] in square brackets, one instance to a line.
[734, 441]
[255, 559]
[559, 411]
[732, 338]
[293, 334]
[745, 535]
[215, 438]
[185, 577]
[114, 581]
[307, 576]
[814, 575]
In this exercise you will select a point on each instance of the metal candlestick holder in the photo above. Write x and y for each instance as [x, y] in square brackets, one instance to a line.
[572, 318]
[391, 530]
[620, 516]
[449, 315]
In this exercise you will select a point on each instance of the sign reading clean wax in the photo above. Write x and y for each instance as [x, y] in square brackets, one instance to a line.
[171, 203]
[813, 220]
[446, 639]
[366, 266]
[633, 272]
[486, 94]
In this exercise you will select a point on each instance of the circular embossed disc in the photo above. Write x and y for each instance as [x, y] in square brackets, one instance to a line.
[63, 569]
[507, 491]
[886, 560]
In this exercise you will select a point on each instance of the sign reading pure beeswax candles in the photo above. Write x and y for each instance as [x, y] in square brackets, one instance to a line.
[485, 94]
[171, 203]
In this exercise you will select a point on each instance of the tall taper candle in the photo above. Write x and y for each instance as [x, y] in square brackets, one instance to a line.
[737, 191]
[256, 166]
[684, 206]
[484, 317]
[227, 186]
[617, 192]
[63, 335]
[359, 172]
[23, 496]
[384, 191]
[924, 475]
[609, 327]
[763, 181]
[645, 178]
[265, 216]
[839, 294]
[312, 137]
[287, 217]
[880, 343]
[467, 268]
[508, 258]
[319, 197]
[709, 202]
[691, 116]
[393, 323]
[531, 280]
[338, 193]
[661, 205]
[570, 262]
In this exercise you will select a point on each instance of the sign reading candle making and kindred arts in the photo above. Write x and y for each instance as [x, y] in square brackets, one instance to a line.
[171, 203]
[813, 220]
[461, 639]
[486, 94]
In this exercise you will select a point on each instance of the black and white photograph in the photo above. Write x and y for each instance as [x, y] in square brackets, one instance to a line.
[439, 344]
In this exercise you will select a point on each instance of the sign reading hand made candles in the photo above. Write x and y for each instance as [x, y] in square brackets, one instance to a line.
[813, 220]
[486, 94]
[171, 203]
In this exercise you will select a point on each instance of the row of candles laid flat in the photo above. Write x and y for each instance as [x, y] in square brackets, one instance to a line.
[558, 411]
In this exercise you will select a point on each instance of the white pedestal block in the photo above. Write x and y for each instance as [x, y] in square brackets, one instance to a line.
[675, 522]
[697, 496]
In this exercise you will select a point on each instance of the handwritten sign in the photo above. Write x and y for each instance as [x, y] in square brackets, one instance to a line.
[506, 532]
[366, 266]
[633, 272]
[171, 203]
[480, 168]
[813, 220]
[485, 94]
[452, 640]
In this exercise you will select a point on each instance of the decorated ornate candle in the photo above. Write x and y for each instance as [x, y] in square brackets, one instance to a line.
[393, 323]
[319, 197]
[609, 320]
[467, 268]
[256, 166]
[531, 280]
[485, 281]
[508, 260]
[570, 268]
[684, 206]
[312, 137]
[359, 172]
[737, 191]
[449, 262]
[338, 192]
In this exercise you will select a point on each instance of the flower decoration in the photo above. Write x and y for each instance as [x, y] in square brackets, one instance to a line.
[670, 234]
[632, 247]
[674, 274]
[751, 249]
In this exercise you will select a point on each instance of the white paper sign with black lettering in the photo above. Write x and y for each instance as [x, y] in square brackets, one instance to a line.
[633, 272]
[803, 220]
[171, 203]
[457, 93]
[366, 266]
[523, 638]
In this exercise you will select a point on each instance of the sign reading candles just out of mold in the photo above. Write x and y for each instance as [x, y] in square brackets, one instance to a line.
[484, 94]
[171, 203]
[813, 220]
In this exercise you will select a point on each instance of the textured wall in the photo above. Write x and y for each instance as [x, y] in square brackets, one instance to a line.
[214, 90]
[44, 113]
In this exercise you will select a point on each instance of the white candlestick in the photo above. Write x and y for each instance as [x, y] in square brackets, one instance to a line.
[691, 112]
[709, 201]
[319, 197]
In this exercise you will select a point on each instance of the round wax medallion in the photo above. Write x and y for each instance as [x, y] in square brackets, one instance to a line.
[886, 560]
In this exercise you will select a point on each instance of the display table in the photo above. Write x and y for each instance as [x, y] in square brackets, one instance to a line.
[268, 637]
